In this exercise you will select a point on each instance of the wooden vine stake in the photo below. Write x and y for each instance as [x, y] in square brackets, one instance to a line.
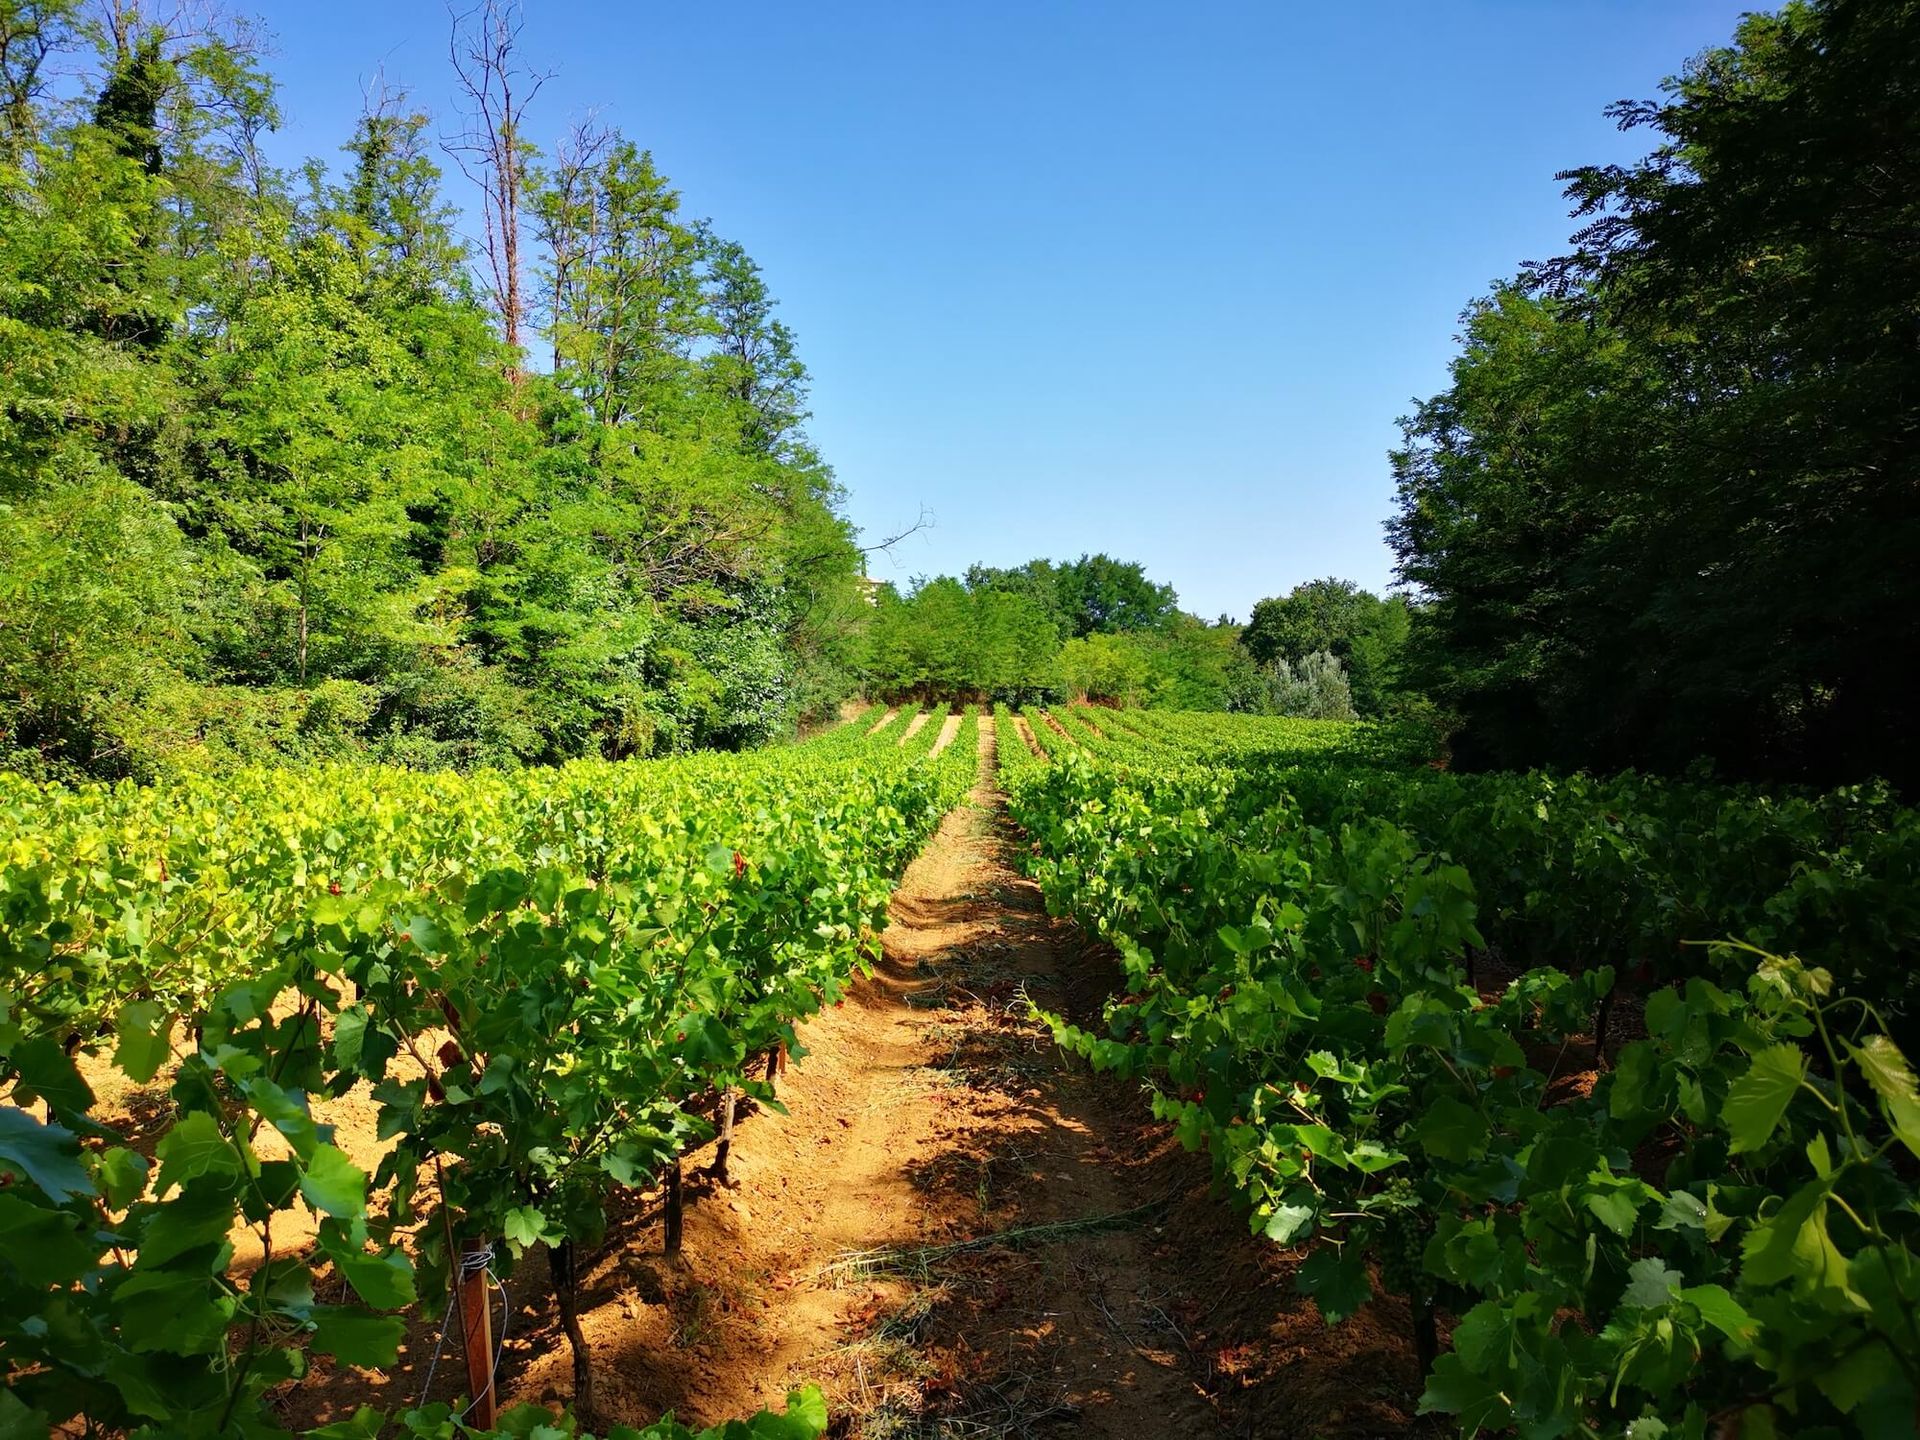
[674, 1209]
[476, 1325]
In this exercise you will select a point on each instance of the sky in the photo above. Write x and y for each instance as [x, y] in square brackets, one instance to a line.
[1149, 279]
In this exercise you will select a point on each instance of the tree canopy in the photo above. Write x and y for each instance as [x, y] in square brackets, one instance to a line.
[274, 481]
[1666, 508]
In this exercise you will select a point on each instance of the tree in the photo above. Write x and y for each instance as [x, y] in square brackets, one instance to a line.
[493, 151]
[1098, 594]
[1665, 508]
[753, 362]
[392, 212]
[274, 484]
[625, 308]
[1363, 631]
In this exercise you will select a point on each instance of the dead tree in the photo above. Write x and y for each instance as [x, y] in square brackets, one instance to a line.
[491, 149]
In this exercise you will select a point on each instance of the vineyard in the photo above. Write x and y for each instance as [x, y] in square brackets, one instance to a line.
[1600, 1074]
[1600, 1077]
[550, 983]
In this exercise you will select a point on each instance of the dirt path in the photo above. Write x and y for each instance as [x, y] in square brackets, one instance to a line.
[949, 731]
[1100, 1288]
[913, 726]
[927, 1113]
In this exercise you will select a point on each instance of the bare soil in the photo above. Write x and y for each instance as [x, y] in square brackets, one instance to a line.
[949, 729]
[914, 725]
[956, 1230]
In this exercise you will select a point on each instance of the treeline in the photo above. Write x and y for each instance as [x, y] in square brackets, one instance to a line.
[1099, 629]
[1669, 505]
[285, 471]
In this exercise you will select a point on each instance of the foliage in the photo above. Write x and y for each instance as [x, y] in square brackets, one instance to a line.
[539, 974]
[1664, 508]
[945, 640]
[259, 441]
[1315, 689]
[1095, 594]
[1717, 1235]
[1365, 633]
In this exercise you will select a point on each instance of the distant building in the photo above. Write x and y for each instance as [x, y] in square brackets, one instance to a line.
[870, 587]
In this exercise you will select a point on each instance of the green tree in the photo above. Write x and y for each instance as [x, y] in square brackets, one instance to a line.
[1664, 510]
[1101, 595]
[1364, 632]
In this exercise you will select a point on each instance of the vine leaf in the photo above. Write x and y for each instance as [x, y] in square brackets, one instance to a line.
[334, 1183]
[1337, 1280]
[146, 1040]
[356, 1338]
[48, 1155]
[1756, 1101]
[1887, 1071]
[195, 1146]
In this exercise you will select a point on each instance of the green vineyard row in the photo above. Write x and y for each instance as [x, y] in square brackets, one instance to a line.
[1371, 994]
[545, 981]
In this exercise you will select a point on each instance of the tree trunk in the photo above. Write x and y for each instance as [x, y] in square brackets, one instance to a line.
[724, 1149]
[566, 1292]
[1426, 1333]
[675, 1210]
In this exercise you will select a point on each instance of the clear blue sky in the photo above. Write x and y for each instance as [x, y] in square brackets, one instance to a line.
[1148, 278]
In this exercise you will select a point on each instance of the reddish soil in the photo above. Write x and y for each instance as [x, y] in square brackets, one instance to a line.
[956, 1229]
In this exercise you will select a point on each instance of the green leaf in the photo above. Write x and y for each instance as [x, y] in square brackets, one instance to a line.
[805, 1418]
[1865, 1371]
[334, 1184]
[1616, 1207]
[1288, 1221]
[122, 1175]
[200, 1215]
[1720, 1310]
[1650, 1284]
[287, 1112]
[1453, 1390]
[1452, 1131]
[1892, 1078]
[356, 1338]
[146, 1040]
[384, 1281]
[1756, 1101]
[173, 1312]
[1793, 1244]
[17, 1422]
[1337, 1280]
[48, 1155]
[48, 1073]
[524, 1226]
[195, 1146]
[44, 1246]
[1683, 1211]
[1484, 1337]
